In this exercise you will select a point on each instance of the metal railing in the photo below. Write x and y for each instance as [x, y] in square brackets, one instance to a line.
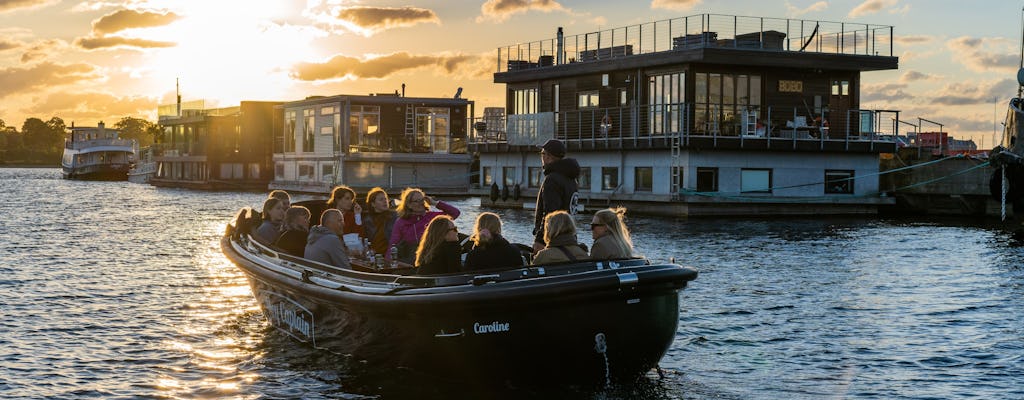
[699, 31]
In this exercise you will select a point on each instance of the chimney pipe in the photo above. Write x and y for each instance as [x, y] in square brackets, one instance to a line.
[403, 90]
[560, 55]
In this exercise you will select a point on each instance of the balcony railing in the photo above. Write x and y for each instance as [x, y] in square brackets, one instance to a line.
[699, 31]
[664, 121]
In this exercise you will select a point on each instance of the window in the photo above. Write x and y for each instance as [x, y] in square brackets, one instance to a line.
[707, 179]
[536, 175]
[840, 88]
[838, 181]
[307, 137]
[720, 101]
[279, 171]
[584, 179]
[327, 173]
[326, 110]
[289, 132]
[623, 99]
[666, 96]
[509, 176]
[643, 179]
[364, 128]
[254, 171]
[524, 101]
[306, 172]
[486, 177]
[755, 181]
[326, 130]
[588, 99]
[609, 178]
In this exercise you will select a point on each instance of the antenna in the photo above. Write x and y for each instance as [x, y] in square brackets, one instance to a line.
[177, 91]
[1020, 72]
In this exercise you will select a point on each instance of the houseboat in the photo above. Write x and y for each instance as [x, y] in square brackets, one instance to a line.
[214, 148]
[144, 167]
[97, 153]
[700, 115]
[387, 140]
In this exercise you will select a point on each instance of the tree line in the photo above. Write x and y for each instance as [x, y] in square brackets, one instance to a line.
[42, 142]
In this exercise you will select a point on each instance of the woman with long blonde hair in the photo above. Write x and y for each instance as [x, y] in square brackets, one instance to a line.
[560, 240]
[490, 249]
[439, 251]
[413, 217]
[611, 237]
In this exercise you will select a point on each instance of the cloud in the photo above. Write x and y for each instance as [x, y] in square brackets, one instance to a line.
[871, 7]
[913, 76]
[127, 19]
[92, 105]
[14, 5]
[793, 11]
[962, 94]
[345, 67]
[675, 4]
[983, 54]
[376, 19]
[93, 43]
[884, 92]
[42, 50]
[44, 75]
[9, 44]
[501, 10]
[910, 40]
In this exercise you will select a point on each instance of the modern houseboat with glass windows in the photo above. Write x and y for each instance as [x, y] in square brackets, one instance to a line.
[97, 154]
[385, 140]
[214, 148]
[701, 115]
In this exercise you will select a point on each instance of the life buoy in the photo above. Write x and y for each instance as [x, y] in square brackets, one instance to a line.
[607, 120]
[515, 192]
[494, 192]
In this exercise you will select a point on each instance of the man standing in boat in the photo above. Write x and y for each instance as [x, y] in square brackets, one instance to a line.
[557, 190]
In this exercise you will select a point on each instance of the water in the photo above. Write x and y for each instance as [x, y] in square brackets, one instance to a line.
[118, 290]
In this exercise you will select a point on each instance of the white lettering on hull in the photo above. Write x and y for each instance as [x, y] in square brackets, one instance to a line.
[493, 327]
[289, 316]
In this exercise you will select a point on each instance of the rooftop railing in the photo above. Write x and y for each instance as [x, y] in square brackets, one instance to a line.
[701, 31]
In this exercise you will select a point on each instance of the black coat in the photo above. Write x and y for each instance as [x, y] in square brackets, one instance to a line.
[555, 192]
[293, 242]
[447, 260]
[497, 253]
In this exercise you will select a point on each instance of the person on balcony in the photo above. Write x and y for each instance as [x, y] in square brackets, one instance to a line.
[557, 190]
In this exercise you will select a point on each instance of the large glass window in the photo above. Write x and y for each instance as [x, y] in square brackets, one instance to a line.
[756, 181]
[665, 102]
[486, 178]
[643, 179]
[509, 176]
[536, 175]
[364, 129]
[609, 178]
[838, 181]
[307, 129]
[289, 132]
[432, 130]
[707, 179]
[584, 179]
[723, 101]
[524, 101]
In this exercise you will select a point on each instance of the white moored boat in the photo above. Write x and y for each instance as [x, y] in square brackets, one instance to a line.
[97, 153]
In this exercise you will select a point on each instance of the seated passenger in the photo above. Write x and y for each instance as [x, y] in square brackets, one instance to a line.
[413, 218]
[283, 196]
[273, 214]
[611, 237]
[378, 220]
[439, 251]
[560, 240]
[344, 199]
[324, 243]
[294, 231]
[490, 250]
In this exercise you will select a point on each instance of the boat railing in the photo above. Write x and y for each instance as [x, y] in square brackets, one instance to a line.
[83, 144]
[702, 31]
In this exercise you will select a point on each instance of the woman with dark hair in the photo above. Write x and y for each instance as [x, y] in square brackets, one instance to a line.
[344, 198]
[413, 218]
[560, 240]
[439, 251]
[490, 249]
[611, 237]
[273, 214]
[378, 220]
[295, 230]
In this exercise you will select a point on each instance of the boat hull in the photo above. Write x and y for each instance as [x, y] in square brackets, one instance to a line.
[104, 172]
[589, 327]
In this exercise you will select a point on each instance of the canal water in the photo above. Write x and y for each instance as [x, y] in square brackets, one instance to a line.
[118, 290]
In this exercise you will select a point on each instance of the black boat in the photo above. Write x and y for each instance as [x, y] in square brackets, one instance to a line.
[576, 322]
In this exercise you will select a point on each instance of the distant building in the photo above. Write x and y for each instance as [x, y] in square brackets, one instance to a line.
[384, 140]
[702, 115]
[217, 148]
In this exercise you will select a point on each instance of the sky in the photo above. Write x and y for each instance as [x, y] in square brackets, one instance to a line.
[102, 60]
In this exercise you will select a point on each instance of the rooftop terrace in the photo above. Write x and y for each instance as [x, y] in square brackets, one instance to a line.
[702, 31]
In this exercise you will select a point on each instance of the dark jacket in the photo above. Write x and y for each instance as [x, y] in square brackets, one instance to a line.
[268, 232]
[323, 245]
[292, 242]
[496, 253]
[555, 192]
[560, 249]
[448, 260]
[371, 230]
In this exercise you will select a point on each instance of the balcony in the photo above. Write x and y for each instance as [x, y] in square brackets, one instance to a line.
[664, 126]
[702, 31]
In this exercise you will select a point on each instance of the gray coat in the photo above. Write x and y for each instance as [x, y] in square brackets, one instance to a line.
[326, 247]
[268, 232]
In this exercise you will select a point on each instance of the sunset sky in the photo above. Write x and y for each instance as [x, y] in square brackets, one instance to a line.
[86, 61]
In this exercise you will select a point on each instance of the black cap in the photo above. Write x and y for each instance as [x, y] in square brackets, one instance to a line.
[554, 147]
